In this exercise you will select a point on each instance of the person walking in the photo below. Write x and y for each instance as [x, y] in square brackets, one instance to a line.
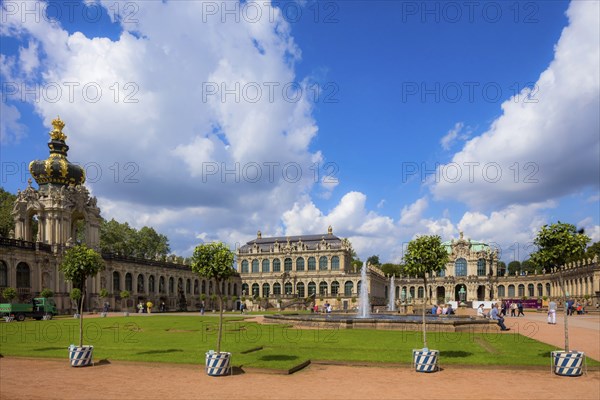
[513, 309]
[503, 309]
[552, 312]
[520, 308]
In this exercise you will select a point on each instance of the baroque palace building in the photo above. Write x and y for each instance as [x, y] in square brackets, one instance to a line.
[309, 266]
[471, 274]
[272, 271]
[62, 205]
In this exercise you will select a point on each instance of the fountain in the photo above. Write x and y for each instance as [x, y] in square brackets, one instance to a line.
[364, 308]
[392, 296]
[364, 320]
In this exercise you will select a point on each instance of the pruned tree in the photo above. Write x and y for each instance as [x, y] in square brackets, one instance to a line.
[214, 261]
[425, 255]
[79, 263]
[558, 243]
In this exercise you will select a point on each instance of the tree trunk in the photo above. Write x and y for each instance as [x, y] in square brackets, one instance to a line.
[562, 288]
[81, 317]
[424, 305]
[220, 331]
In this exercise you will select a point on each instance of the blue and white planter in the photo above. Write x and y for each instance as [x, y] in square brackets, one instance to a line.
[80, 356]
[568, 363]
[9, 318]
[425, 360]
[217, 364]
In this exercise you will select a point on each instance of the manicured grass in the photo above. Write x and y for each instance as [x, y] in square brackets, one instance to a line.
[185, 339]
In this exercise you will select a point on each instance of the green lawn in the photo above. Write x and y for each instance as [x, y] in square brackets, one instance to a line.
[185, 339]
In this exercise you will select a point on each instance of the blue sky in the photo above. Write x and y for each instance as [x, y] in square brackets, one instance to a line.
[383, 119]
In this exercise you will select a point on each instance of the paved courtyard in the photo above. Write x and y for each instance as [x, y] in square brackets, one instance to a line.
[54, 379]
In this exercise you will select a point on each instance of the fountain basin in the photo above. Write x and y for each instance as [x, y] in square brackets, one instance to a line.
[449, 323]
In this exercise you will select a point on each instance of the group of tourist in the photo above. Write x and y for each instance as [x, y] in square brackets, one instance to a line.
[444, 309]
[144, 308]
[493, 314]
[575, 307]
[327, 308]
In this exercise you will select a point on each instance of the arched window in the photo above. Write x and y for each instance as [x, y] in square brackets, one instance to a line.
[276, 288]
[481, 267]
[299, 264]
[322, 263]
[312, 288]
[235, 291]
[501, 292]
[358, 286]
[265, 290]
[312, 264]
[245, 289]
[255, 266]
[521, 290]
[442, 273]
[323, 288]
[276, 265]
[540, 290]
[116, 282]
[287, 264]
[335, 263]
[255, 289]
[204, 287]
[244, 266]
[196, 286]
[548, 287]
[151, 284]
[348, 286]
[300, 289]
[530, 289]
[128, 282]
[140, 284]
[511, 291]
[171, 285]
[265, 265]
[460, 267]
[180, 285]
[3, 274]
[188, 286]
[412, 292]
[161, 284]
[420, 292]
[288, 288]
[23, 276]
[335, 288]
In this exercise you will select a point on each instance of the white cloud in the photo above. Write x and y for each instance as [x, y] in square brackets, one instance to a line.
[453, 134]
[512, 228]
[545, 143]
[412, 213]
[157, 141]
[11, 130]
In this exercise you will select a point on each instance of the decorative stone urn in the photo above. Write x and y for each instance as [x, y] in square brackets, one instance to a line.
[425, 360]
[568, 363]
[217, 364]
[80, 356]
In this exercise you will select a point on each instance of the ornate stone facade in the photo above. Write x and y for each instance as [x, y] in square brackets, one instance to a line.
[473, 267]
[62, 205]
[288, 269]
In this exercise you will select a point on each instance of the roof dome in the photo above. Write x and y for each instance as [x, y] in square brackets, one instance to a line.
[56, 169]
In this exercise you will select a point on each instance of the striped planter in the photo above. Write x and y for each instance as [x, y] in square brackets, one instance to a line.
[47, 317]
[80, 356]
[9, 318]
[217, 364]
[568, 363]
[425, 360]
